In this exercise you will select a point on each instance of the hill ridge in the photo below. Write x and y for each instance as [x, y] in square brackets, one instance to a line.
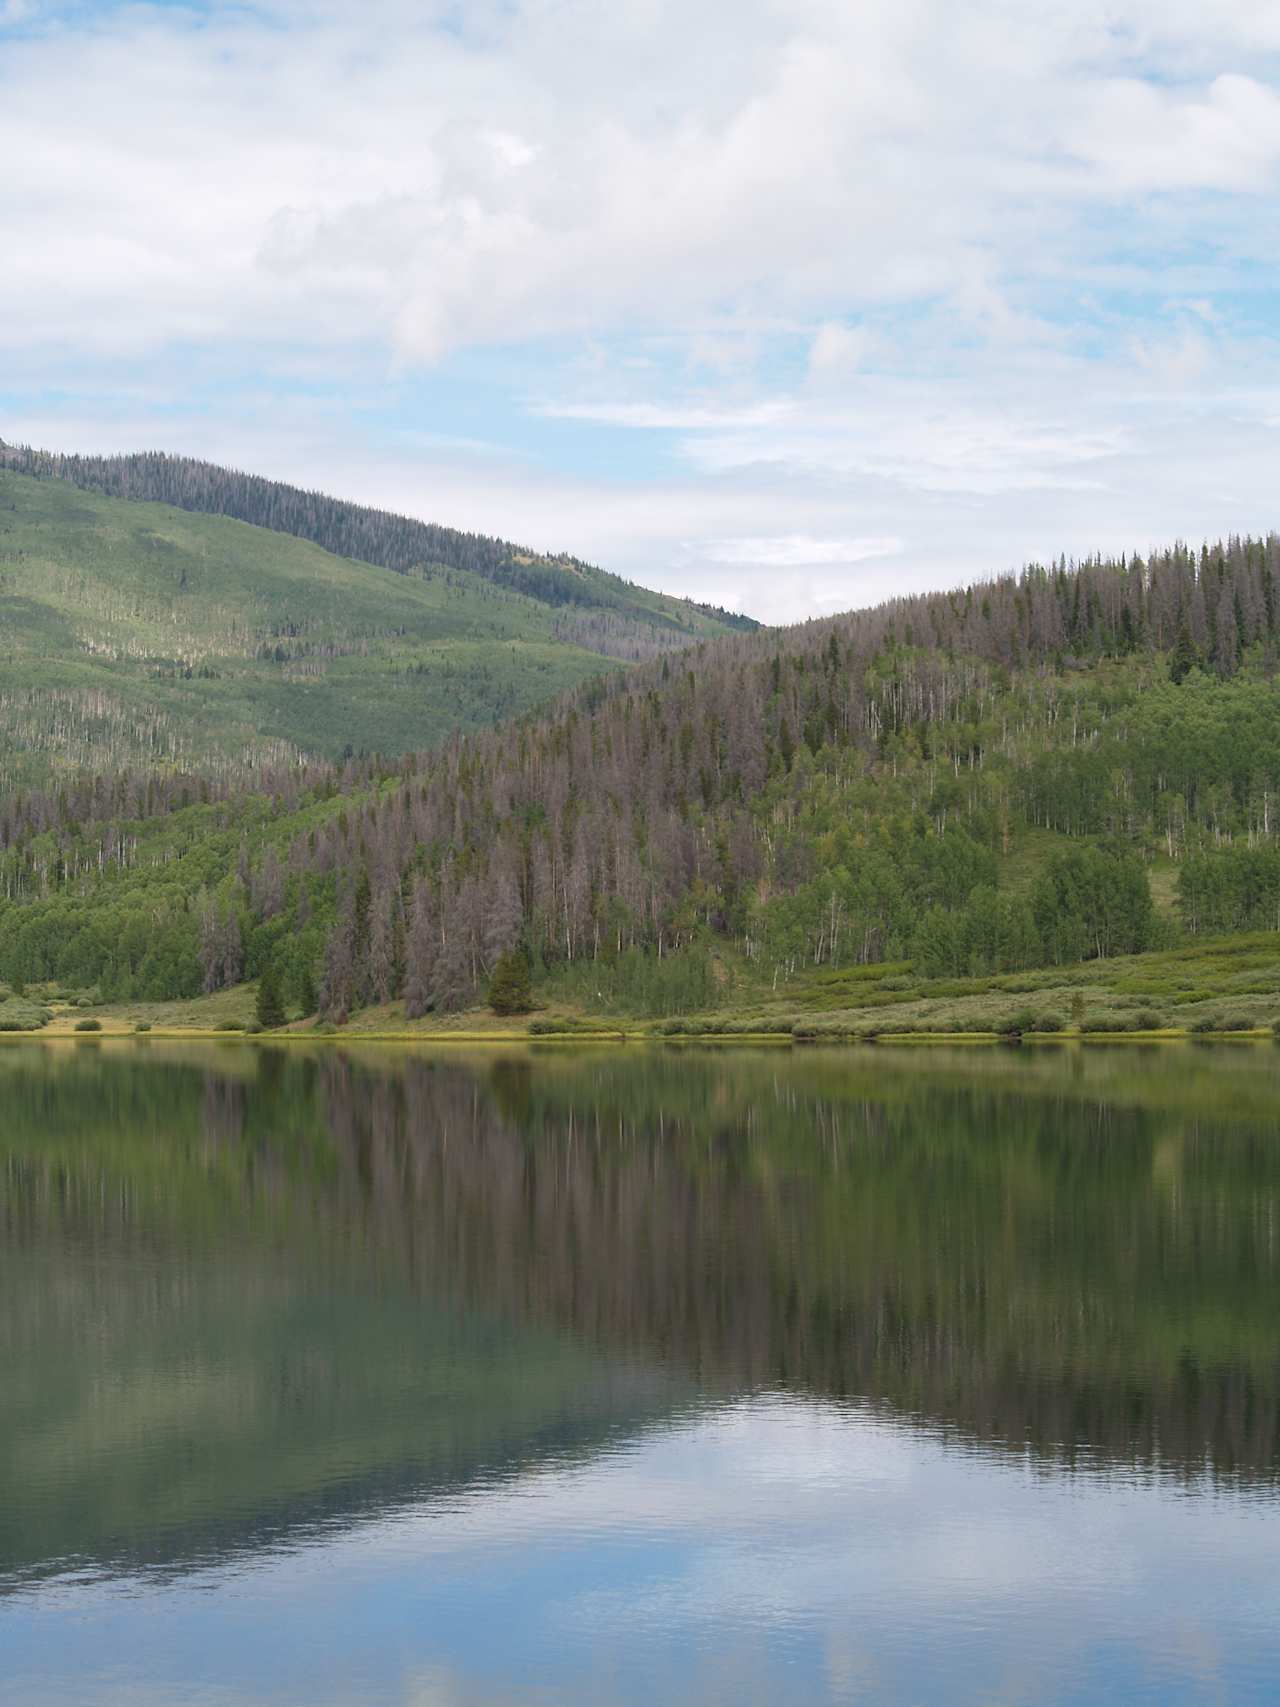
[361, 532]
[136, 632]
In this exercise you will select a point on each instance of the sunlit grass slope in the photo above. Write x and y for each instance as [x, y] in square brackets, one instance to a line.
[138, 633]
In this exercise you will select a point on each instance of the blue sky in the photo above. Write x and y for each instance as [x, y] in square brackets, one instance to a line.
[783, 303]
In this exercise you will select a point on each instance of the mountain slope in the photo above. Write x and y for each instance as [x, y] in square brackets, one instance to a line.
[138, 633]
[1062, 765]
[396, 542]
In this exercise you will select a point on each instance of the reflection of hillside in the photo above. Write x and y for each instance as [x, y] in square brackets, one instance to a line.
[249, 1286]
[168, 1417]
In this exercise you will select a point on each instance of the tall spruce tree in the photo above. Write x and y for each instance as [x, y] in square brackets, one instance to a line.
[270, 1008]
[1185, 657]
[510, 989]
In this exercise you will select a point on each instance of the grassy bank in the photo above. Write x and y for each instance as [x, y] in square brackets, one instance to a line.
[1225, 987]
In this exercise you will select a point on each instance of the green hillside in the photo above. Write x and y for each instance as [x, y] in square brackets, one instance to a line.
[136, 633]
[972, 793]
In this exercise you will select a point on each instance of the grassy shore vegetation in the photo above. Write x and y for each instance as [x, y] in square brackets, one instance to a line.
[1212, 987]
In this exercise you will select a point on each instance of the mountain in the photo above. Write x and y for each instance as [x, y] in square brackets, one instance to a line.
[155, 610]
[1067, 765]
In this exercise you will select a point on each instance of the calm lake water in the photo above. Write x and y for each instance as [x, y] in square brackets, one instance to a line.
[638, 1376]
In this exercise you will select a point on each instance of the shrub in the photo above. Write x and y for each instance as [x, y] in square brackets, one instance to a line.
[83, 1002]
[1105, 1022]
[570, 1026]
[1013, 1025]
[18, 1014]
[229, 1025]
[88, 1025]
[1204, 1023]
[1023, 983]
[143, 1025]
[1049, 1023]
[254, 1028]
[1147, 1019]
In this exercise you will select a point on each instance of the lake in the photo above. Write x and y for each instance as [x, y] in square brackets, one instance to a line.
[638, 1375]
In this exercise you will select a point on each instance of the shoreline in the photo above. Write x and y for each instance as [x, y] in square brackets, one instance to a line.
[933, 1039]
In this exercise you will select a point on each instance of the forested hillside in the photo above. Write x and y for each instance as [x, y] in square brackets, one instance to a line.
[137, 633]
[976, 782]
[399, 543]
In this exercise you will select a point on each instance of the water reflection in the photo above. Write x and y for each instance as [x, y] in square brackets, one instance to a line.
[692, 1326]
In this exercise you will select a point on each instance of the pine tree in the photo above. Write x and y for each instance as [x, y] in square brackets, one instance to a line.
[510, 990]
[308, 1001]
[1184, 658]
[270, 1008]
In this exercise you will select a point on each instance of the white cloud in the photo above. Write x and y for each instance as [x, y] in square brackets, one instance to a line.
[346, 178]
[796, 550]
[671, 417]
[1144, 138]
[837, 350]
[816, 272]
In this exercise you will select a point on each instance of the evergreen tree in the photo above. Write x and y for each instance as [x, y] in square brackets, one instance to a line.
[270, 1008]
[308, 1001]
[1184, 658]
[510, 989]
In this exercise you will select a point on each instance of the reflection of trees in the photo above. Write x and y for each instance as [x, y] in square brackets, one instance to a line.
[1056, 1257]
[1045, 1270]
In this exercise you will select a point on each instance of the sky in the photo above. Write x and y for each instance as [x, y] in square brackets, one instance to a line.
[788, 305]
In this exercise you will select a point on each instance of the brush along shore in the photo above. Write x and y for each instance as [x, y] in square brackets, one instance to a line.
[1224, 987]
